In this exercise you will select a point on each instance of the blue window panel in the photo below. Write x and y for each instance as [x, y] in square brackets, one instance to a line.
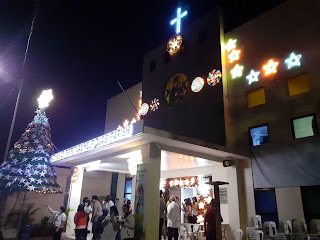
[128, 196]
[259, 135]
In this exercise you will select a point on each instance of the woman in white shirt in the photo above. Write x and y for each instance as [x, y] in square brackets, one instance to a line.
[60, 219]
[110, 225]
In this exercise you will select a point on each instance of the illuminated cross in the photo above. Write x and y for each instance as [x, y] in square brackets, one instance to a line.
[178, 19]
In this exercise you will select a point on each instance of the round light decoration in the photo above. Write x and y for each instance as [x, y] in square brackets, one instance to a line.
[75, 174]
[174, 44]
[214, 77]
[144, 109]
[197, 84]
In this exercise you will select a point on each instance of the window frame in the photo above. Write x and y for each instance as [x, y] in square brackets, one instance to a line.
[125, 184]
[250, 138]
[303, 116]
[254, 90]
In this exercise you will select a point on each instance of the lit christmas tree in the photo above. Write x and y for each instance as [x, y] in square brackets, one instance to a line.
[28, 167]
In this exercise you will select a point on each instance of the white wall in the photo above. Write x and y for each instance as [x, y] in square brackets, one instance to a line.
[96, 183]
[289, 203]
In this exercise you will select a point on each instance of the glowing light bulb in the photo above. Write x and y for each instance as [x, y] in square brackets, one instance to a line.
[270, 67]
[187, 182]
[253, 77]
[231, 44]
[125, 123]
[193, 181]
[176, 182]
[171, 183]
[181, 183]
[236, 71]
[234, 55]
[293, 60]
[45, 98]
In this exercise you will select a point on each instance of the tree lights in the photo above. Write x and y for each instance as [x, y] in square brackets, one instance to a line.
[293, 60]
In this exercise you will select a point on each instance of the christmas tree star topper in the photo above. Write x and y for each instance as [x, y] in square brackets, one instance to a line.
[45, 98]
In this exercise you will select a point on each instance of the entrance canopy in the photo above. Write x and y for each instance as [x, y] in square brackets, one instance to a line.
[112, 155]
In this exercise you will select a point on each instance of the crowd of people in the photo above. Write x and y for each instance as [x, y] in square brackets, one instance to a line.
[170, 213]
[107, 224]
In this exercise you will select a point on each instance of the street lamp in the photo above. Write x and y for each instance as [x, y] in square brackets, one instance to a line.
[5, 76]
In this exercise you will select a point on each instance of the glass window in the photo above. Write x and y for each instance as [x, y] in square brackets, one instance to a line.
[305, 126]
[256, 97]
[299, 84]
[259, 135]
[128, 188]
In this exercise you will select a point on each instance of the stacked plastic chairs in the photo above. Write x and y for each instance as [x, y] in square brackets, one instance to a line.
[254, 234]
[237, 234]
[315, 226]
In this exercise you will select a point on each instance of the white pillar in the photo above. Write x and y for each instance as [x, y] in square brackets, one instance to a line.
[133, 192]
[233, 198]
[151, 157]
[74, 201]
[120, 191]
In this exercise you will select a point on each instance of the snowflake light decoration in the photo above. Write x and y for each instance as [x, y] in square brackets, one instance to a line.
[197, 84]
[174, 44]
[214, 77]
[155, 104]
[293, 60]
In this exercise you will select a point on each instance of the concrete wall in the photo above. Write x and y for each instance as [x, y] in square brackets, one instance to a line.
[275, 35]
[39, 200]
[119, 107]
[96, 183]
[289, 203]
[197, 60]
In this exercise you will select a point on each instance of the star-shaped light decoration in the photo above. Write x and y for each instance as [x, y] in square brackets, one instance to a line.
[31, 188]
[133, 121]
[236, 71]
[45, 98]
[234, 55]
[171, 183]
[187, 182]
[125, 123]
[293, 60]
[174, 44]
[39, 181]
[270, 67]
[253, 76]
[231, 44]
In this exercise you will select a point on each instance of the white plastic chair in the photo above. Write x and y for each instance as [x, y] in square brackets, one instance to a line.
[254, 234]
[256, 222]
[237, 234]
[285, 227]
[184, 233]
[270, 228]
[315, 226]
[281, 236]
[299, 226]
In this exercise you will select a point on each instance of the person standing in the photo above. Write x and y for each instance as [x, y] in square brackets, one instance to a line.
[60, 220]
[96, 213]
[173, 216]
[127, 224]
[210, 222]
[162, 213]
[110, 225]
[109, 202]
[80, 220]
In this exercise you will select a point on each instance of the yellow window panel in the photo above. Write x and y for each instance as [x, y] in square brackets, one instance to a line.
[256, 97]
[299, 84]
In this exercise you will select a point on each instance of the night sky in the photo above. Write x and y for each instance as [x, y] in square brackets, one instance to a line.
[81, 49]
